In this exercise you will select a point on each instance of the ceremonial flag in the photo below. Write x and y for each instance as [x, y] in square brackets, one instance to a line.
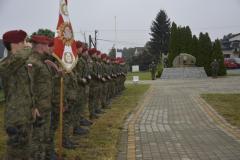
[65, 50]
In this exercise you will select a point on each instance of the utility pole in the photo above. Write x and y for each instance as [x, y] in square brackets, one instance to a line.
[90, 42]
[84, 35]
[96, 38]
[115, 28]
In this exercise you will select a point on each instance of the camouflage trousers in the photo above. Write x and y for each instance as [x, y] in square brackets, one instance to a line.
[94, 95]
[112, 89]
[122, 87]
[87, 89]
[214, 72]
[104, 95]
[41, 143]
[54, 125]
[117, 85]
[108, 94]
[79, 108]
[18, 147]
[68, 119]
[153, 74]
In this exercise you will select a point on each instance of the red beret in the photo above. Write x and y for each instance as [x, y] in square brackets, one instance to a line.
[122, 60]
[79, 44]
[14, 36]
[40, 39]
[103, 56]
[92, 51]
[51, 43]
[98, 53]
[84, 49]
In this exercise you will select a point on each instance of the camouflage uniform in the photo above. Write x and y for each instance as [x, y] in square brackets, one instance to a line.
[17, 117]
[153, 69]
[71, 96]
[100, 84]
[215, 68]
[93, 90]
[88, 72]
[55, 101]
[82, 81]
[123, 72]
[108, 83]
[112, 82]
[115, 72]
[41, 89]
[118, 78]
[87, 75]
[104, 92]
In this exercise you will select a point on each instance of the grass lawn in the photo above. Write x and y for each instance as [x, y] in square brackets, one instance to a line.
[101, 142]
[233, 74]
[227, 105]
[142, 75]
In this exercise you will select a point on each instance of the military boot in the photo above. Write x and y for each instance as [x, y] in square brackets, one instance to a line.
[93, 116]
[80, 131]
[68, 144]
[99, 111]
[85, 122]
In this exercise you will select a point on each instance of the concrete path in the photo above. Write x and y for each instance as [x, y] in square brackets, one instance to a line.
[174, 123]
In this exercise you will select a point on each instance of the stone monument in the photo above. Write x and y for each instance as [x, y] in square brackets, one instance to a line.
[184, 60]
[184, 68]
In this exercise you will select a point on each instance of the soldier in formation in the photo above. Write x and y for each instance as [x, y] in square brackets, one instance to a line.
[31, 80]
[215, 68]
[14, 74]
[153, 69]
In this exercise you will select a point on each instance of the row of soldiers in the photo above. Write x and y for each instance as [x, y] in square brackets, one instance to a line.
[31, 80]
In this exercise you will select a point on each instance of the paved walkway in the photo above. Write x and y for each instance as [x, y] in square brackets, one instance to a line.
[172, 124]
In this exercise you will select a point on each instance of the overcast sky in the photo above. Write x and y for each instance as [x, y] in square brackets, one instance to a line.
[133, 17]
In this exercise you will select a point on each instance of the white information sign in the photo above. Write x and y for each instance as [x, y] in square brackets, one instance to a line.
[135, 68]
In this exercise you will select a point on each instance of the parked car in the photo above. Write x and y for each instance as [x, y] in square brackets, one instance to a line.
[237, 60]
[231, 63]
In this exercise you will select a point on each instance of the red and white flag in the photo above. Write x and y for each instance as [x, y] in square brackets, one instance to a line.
[65, 50]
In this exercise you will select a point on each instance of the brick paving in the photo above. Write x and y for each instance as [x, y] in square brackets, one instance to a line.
[173, 126]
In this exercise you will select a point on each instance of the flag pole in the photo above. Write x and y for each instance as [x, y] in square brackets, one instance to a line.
[60, 132]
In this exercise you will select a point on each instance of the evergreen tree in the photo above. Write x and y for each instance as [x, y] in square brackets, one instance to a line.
[205, 53]
[184, 39]
[188, 40]
[160, 32]
[173, 48]
[194, 50]
[218, 55]
[180, 42]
